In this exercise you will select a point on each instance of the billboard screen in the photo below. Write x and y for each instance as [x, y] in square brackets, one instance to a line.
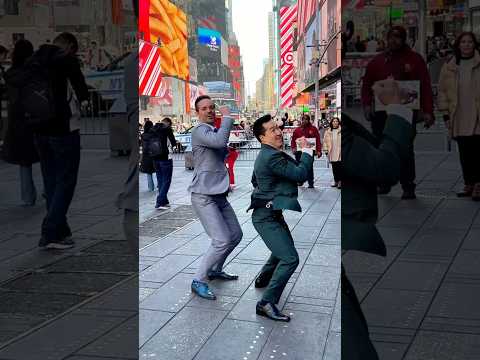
[210, 42]
[210, 14]
[161, 22]
[218, 89]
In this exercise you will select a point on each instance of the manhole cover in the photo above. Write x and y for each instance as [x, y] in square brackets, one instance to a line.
[95, 263]
[37, 304]
[111, 247]
[64, 283]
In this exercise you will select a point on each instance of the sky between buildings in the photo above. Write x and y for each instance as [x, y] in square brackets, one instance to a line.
[250, 23]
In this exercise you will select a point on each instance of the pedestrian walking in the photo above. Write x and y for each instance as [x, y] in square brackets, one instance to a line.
[57, 135]
[19, 147]
[360, 179]
[55, 70]
[403, 64]
[209, 189]
[146, 165]
[232, 156]
[312, 134]
[332, 145]
[275, 178]
[157, 149]
[459, 99]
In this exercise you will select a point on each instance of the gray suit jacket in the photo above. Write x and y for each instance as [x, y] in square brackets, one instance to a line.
[209, 146]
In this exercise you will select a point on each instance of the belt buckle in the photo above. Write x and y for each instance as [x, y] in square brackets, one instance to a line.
[268, 205]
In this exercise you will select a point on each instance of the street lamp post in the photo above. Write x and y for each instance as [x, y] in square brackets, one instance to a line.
[276, 10]
[317, 49]
[319, 56]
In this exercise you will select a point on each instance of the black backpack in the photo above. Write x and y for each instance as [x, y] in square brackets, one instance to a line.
[153, 145]
[36, 95]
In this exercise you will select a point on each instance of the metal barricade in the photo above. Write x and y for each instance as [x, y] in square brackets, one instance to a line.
[96, 118]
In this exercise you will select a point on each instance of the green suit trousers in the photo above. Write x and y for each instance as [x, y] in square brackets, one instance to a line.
[274, 231]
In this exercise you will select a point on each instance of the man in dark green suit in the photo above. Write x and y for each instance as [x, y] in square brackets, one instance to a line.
[367, 162]
[275, 178]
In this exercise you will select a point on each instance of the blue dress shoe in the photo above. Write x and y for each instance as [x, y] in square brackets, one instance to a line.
[202, 290]
[222, 275]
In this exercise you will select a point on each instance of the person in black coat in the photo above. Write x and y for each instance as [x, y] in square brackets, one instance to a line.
[146, 164]
[19, 147]
[366, 162]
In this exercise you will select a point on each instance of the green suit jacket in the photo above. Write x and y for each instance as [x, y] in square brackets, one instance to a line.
[368, 162]
[276, 176]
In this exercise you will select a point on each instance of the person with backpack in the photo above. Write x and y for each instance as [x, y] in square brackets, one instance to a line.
[156, 144]
[146, 165]
[52, 89]
[19, 147]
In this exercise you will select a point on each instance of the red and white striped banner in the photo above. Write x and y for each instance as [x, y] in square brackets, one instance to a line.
[149, 77]
[288, 15]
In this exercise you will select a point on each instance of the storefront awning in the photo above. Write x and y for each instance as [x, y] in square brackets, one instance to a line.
[331, 78]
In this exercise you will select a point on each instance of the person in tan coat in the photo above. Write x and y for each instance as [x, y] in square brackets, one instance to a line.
[332, 146]
[459, 99]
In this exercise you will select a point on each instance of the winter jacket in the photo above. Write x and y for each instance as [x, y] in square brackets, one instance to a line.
[62, 68]
[164, 133]
[404, 65]
[19, 147]
[309, 132]
[146, 164]
[334, 155]
[448, 96]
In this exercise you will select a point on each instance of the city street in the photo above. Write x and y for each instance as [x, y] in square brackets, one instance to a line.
[421, 301]
[174, 324]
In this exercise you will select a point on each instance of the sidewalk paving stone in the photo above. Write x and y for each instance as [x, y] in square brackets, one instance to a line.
[228, 327]
[420, 301]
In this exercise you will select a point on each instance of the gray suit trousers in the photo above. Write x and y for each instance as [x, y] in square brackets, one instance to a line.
[221, 225]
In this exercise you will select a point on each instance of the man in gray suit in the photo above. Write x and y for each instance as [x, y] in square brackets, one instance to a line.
[209, 188]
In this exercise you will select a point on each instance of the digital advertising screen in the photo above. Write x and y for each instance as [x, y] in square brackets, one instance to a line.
[165, 25]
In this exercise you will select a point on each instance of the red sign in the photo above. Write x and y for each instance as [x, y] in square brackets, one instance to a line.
[149, 78]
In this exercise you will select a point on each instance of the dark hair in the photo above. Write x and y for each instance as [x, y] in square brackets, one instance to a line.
[68, 38]
[400, 29]
[200, 98]
[258, 128]
[3, 50]
[22, 51]
[306, 116]
[456, 44]
[147, 126]
[167, 120]
[332, 120]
